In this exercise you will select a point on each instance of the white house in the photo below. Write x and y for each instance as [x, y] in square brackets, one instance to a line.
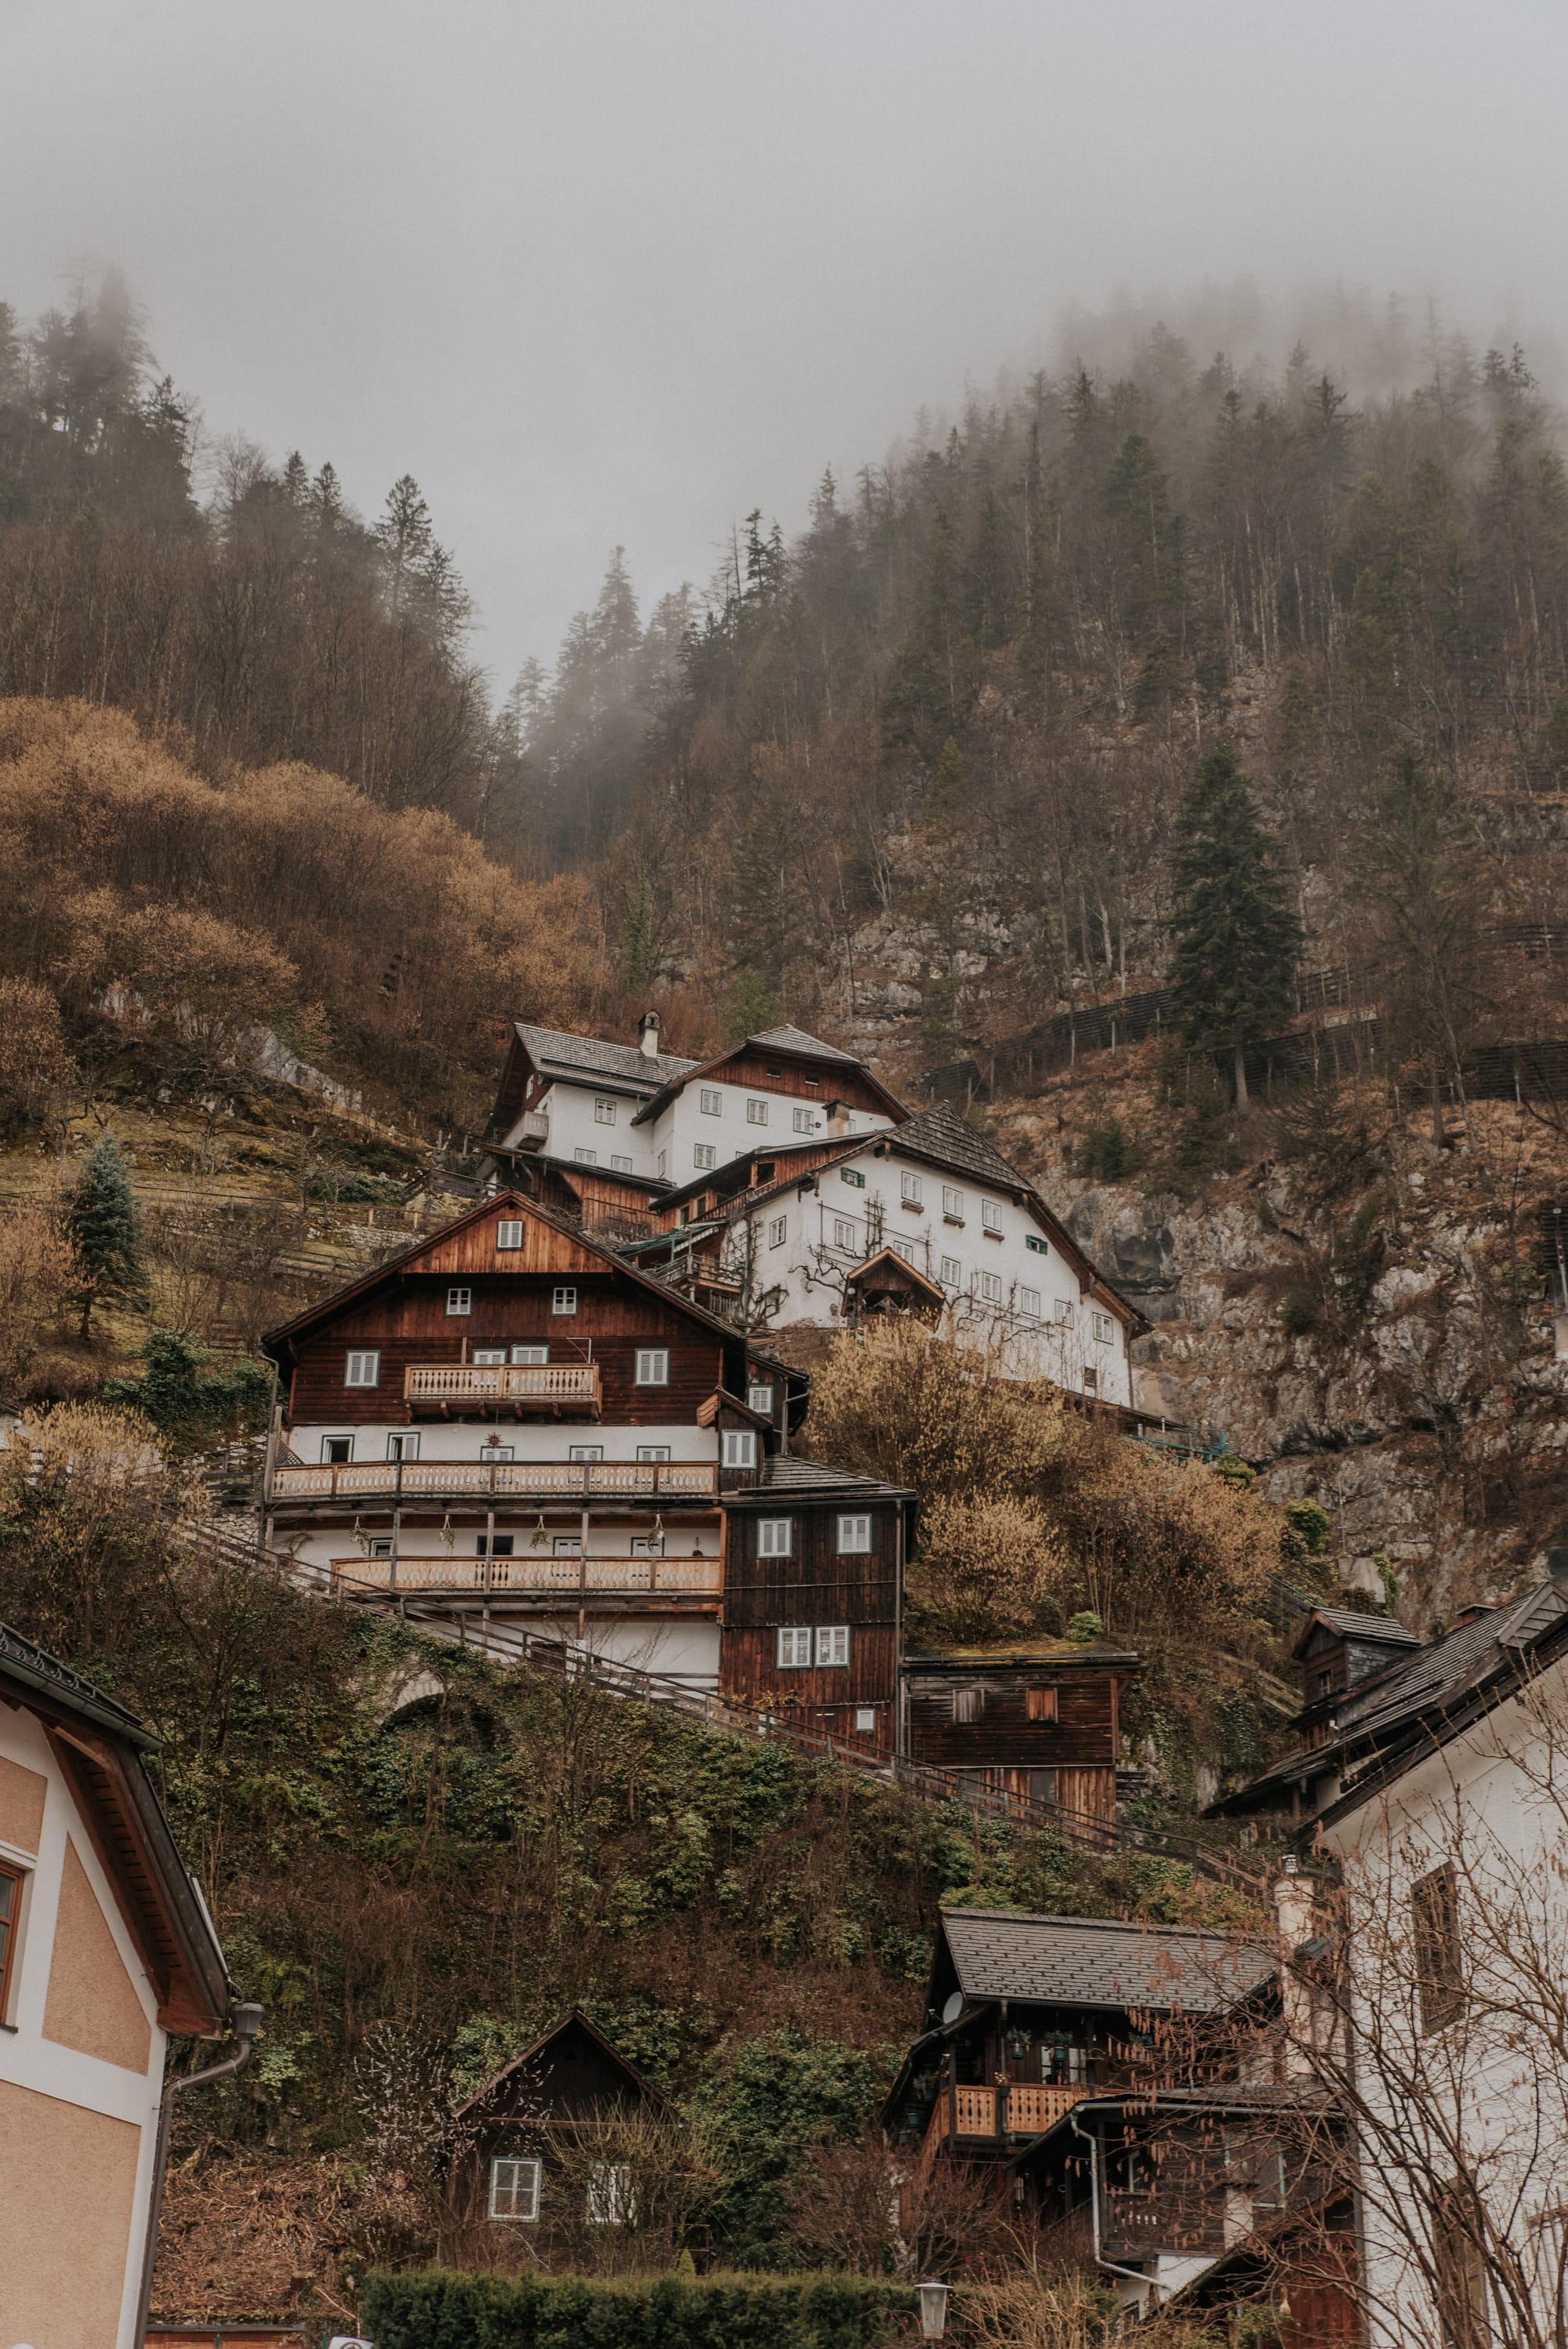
[106, 1949]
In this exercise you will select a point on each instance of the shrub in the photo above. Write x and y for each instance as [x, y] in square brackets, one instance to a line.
[985, 1568]
[186, 1397]
[1297, 1313]
[439, 2309]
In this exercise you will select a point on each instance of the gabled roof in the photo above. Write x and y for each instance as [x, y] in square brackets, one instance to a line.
[1099, 1963]
[787, 1039]
[891, 1258]
[786, 1472]
[1380, 1631]
[554, 1053]
[606, 1257]
[942, 1138]
[101, 1748]
[574, 2020]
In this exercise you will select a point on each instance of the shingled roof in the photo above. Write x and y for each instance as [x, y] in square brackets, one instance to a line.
[554, 1053]
[785, 1472]
[788, 1037]
[1101, 1962]
[943, 1139]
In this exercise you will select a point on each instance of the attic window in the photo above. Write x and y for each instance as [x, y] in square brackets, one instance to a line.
[507, 1234]
[772, 1072]
[813, 1084]
[1035, 1244]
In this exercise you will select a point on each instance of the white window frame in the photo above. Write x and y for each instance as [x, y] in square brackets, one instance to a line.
[327, 1461]
[952, 1275]
[710, 1100]
[604, 1111]
[759, 1398]
[704, 1155]
[583, 1156]
[844, 1234]
[460, 1304]
[353, 1376]
[990, 1216]
[516, 2164]
[509, 1233]
[953, 1203]
[1035, 1245]
[652, 1368]
[652, 1451]
[775, 1536]
[755, 1110]
[612, 2199]
[1029, 1303]
[793, 1652]
[566, 1545]
[804, 1122]
[1104, 1329]
[991, 1288]
[586, 1454]
[831, 1646]
[865, 1720]
[778, 1231]
[737, 1448]
[1062, 1311]
[620, 1165]
[487, 1357]
[403, 1444]
[532, 1355]
[910, 1189]
[563, 1300]
[853, 1535]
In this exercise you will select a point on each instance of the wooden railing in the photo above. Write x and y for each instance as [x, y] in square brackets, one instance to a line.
[1023, 2108]
[530, 1479]
[691, 1577]
[499, 1382]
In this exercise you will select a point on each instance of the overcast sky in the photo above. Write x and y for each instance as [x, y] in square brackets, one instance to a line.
[604, 271]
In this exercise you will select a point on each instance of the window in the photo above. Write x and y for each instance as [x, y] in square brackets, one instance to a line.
[604, 1113]
[653, 1366]
[854, 1177]
[1439, 1961]
[832, 1643]
[1029, 1303]
[493, 1454]
[494, 1544]
[794, 1647]
[663, 1164]
[968, 1704]
[484, 1355]
[1040, 1704]
[710, 1100]
[1063, 2065]
[652, 1451]
[403, 1447]
[1091, 1381]
[566, 1545]
[855, 1536]
[990, 1216]
[379, 1545]
[363, 1369]
[509, 1234]
[1062, 1308]
[909, 1188]
[703, 1154]
[952, 1273]
[756, 1112]
[585, 1452]
[585, 1157]
[1460, 2267]
[620, 1165]
[12, 1880]
[775, 1536]
[953, 1203]
[336, 1449]
[563, 1300]
[865, 1720]
[760, 1398]
[804, 1122]
[778, 1231]
[1035, 1244]
[843, 1232]
[991, 1287]
[647, 1545]
[738, 1449]
[514, 2190]
[459, 1301]
[1104, 1328]
[531, 1353]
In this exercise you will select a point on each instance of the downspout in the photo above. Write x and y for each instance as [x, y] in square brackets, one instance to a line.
[246, 2017]
[1136, 2274]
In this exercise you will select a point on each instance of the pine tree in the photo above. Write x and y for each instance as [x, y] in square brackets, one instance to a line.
[1238, 937]
[104, 1228]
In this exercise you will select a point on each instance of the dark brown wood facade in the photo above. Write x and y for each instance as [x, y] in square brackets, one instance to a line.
[1043, 1724]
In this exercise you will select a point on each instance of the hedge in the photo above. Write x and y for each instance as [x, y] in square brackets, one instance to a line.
[437, 2308]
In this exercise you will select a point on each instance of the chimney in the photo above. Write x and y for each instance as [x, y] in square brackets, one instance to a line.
[839, 1119]
[648, 1034]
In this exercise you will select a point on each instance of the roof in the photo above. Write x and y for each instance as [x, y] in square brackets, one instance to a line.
[785, 1039]
[573, 2019]
[1382, 1629]
[785, 1472]
[788, 1037]
[891, 1259]
[1099, 1963]
[554, 1053]
[1023, 1652]
[940, 1136]
[101, 1748]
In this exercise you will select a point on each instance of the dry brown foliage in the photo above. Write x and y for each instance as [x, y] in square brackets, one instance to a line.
[36, 1066]
[242, 2235]
[37, 1272]
[987, 1569]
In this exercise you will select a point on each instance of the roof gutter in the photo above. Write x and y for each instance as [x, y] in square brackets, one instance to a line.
[246, 2017]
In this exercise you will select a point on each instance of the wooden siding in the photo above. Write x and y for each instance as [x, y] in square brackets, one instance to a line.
[409, 1324]
[1084, 1732]
[471, 1248]
[749, 1670]
[831, 1079]
[815, 1585]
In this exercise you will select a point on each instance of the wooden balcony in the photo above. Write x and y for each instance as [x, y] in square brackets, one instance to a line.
[563, 1389]
[1023, 2108]
[531, 1480]
[534, 1577]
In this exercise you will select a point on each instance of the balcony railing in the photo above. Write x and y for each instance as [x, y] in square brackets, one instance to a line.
[690, 1577]
[530, 1480]
[1021, 2109]
[543, 1386]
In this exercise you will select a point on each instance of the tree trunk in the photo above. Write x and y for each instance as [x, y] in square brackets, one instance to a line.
[1243, 1099]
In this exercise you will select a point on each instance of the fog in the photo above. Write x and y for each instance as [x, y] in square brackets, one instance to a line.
[601, 272]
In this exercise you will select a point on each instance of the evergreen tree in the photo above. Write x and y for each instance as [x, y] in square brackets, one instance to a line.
[1238, 937]
[749, 1006]
[104, 1228]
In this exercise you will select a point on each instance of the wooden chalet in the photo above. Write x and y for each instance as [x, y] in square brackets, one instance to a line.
[1035, 1719]
[506, 2170]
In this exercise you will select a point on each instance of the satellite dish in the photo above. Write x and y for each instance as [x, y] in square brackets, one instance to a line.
[954, 2008]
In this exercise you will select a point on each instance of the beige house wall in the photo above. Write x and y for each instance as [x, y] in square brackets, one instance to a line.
[81, 2071]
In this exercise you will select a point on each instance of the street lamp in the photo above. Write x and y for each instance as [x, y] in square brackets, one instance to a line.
[932, 2311]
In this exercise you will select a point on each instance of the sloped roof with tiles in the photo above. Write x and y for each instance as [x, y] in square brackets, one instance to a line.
[1086, 1961]
[554, 1053]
